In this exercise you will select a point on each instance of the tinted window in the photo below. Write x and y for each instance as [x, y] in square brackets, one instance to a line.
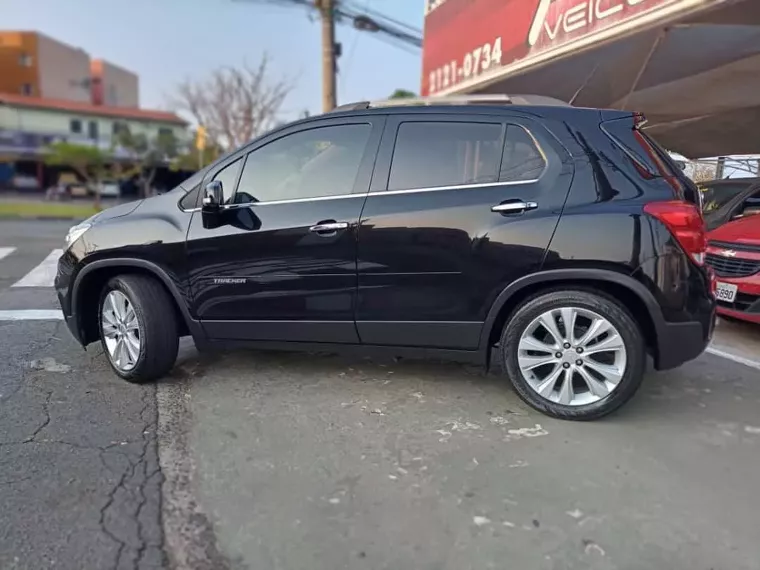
[522, 160]
[718, 194]
[310, 164]
[228, 176]
[428, 155]
[190, 200]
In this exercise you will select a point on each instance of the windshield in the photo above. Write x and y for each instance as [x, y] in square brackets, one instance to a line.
[717, 194]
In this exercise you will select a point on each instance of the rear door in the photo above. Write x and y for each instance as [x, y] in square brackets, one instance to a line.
[460, 206]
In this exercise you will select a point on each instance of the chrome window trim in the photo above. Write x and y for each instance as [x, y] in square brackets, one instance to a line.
[405, 191]
[377, 193]
[481, 185]
[453, 187]
[293, 201]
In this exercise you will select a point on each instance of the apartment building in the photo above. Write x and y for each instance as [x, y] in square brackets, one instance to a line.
[35, 65]
[113, 85]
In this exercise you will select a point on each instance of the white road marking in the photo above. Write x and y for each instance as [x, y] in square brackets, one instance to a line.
[6, 251]
[735, 357]
[44, 274]
[31, 315]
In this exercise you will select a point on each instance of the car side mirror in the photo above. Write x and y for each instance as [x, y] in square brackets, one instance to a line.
[213, 195]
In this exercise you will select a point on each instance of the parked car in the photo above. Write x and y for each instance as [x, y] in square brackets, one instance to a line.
[728, 199]
[562, 239]
[733, 252]
[109, 188]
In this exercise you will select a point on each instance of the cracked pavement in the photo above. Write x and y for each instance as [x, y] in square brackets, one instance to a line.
[79, 475]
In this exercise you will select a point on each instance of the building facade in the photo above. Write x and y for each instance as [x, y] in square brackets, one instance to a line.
[29, 124]
[36, 65]
[657, 57]
[113, 85]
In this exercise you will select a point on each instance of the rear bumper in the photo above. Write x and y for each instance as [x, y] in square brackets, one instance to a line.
[679, 343]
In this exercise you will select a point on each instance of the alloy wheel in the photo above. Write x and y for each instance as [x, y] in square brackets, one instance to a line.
[572, 356]
[121, 330]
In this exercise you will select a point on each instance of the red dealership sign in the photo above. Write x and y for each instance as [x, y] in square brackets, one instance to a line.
[467, 39]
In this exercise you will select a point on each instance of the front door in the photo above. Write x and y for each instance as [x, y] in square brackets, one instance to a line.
[460, 206]
[278, 262]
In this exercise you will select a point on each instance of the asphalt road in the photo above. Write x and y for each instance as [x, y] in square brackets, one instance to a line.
[259, 460]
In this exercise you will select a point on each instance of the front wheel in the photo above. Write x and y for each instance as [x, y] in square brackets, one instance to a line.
[573, 355]
[138, 328]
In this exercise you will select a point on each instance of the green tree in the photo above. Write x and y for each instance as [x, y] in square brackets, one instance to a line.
[89, 162]
[402, 94]
[148, 155]
[193, 159]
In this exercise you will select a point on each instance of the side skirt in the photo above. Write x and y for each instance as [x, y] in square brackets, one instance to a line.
[466, 356]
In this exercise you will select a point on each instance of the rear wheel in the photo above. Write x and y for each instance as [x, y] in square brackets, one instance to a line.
[138, 328]
[573, 354]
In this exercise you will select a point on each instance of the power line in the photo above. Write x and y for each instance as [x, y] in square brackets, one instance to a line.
[360, 18]
[332, 12]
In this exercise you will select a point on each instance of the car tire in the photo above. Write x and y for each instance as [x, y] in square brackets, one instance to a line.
[148, 317]
[590, 394]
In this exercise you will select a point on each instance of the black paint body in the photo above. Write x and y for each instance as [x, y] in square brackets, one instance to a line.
[415, 272]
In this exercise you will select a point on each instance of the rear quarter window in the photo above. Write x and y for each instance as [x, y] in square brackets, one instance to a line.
[522, 161]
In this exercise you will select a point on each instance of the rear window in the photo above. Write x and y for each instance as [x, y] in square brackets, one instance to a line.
[650, 159]
[640, 146]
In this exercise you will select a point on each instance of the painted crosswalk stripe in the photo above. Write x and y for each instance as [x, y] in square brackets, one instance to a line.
[44, 274]
[6, 251]
[31, 315]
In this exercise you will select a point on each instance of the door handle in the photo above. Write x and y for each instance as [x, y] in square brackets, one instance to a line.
[514, 207]
[328, 227]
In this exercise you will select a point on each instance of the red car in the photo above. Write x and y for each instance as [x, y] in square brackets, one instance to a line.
[733, 252]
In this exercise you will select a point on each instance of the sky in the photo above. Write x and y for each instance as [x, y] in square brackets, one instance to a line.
[168, 41]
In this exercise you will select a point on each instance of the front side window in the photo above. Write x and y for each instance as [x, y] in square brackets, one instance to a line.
[228, 176]
[522, 160]
[436, 154]
[309, 164]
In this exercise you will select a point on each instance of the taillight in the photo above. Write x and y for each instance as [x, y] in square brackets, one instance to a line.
[684, 220]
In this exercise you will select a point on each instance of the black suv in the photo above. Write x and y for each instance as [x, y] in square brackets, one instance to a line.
[562, 238]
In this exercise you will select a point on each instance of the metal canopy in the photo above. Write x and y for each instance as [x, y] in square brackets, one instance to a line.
[697, 80]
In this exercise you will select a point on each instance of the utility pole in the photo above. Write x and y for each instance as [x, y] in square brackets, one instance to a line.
[329, 68]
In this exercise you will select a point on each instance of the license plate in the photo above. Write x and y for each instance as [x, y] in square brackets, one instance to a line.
[725, 292]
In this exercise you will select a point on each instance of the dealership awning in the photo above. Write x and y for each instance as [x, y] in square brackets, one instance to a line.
[691, 66]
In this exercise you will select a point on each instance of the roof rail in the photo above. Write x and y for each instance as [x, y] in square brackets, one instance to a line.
[494, 99]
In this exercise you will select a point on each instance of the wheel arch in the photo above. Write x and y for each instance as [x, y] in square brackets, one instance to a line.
[634, 295]
[93, 277]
